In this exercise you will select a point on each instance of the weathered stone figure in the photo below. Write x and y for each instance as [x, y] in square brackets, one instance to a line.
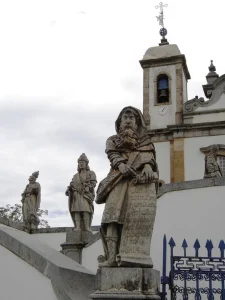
[31, 198]
[212, 168]
[129, 193]
[81, 195]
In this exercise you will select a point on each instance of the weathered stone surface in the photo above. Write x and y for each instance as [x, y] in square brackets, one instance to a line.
[75, 242]
[81, 195]
[129, 187]
[212, 168]
[138, 226]
[127, 283]
[70, 280]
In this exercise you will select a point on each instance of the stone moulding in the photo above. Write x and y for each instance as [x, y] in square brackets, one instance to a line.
[218, 88]
[192, 184]
[217, 149]
[69, 280]
[187, 131]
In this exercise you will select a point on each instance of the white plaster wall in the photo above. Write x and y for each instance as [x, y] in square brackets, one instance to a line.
[52, 239]
[158, 121]
[163, 160]
[18, 280]
[90, 256]
[189, 214]
[209, 117]
[220, 103]
[194, 163]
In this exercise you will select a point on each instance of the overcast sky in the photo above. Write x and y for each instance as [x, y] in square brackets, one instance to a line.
[67, 68]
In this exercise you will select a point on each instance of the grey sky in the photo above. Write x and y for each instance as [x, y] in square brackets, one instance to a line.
[67, 68]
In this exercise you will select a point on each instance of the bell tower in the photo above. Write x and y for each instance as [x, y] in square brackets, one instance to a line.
[165, 76]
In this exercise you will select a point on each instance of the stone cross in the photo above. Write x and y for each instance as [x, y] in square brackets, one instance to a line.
[160, 18]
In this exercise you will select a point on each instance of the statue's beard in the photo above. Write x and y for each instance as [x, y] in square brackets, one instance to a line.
[127, 139]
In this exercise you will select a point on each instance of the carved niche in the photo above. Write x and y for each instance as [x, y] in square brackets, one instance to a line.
[214, 154]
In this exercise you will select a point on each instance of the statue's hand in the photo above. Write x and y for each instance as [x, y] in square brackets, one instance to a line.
[124, 169]
[148, 174]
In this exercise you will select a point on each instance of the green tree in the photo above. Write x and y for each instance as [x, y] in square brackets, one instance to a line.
[14, 213]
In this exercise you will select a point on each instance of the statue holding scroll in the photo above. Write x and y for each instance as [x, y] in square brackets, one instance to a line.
[129, 193]
[31, 198]
[81, 195]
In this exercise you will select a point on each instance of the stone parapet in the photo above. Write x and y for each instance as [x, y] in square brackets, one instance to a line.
[69, 280]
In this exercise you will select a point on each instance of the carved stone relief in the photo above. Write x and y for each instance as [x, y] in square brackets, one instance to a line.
[212, 168]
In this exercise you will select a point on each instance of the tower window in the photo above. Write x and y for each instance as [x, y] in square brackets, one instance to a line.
[162, 89]
[221, 162]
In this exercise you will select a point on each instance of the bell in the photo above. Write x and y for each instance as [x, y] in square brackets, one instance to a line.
[163, 94]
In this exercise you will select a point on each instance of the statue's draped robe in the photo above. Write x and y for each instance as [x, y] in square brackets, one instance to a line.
[32, 198]
[79, 199]
[114, 189]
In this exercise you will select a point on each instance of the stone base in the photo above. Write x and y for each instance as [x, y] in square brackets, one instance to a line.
[75, 242]
[127, 283]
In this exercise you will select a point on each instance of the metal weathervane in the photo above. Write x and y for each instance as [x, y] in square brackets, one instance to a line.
[160, 18]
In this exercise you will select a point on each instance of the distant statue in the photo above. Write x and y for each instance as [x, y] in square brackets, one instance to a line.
[81, 195]
[31, 198]
[212, 168]
[129, 193]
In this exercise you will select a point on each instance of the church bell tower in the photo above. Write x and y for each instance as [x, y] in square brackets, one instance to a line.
[165, 76]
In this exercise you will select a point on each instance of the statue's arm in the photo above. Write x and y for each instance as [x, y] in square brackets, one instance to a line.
[114, 157]
[93, 180]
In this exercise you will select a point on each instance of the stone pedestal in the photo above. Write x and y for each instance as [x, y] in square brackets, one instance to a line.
[127, 283]
[75, 242]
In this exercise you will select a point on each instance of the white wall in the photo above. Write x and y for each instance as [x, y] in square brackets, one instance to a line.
[158, 121]
[194, 159]
[163, 160]
[209, 117]
[189, 214]
[90, 256]
[18, 280]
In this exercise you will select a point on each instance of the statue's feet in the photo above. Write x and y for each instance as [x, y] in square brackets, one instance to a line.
[76, 229]
[108, 263]
[88, 229]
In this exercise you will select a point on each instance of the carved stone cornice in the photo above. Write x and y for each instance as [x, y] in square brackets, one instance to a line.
[163, 61]
[187, 131]
[217, 149]
[218, 88]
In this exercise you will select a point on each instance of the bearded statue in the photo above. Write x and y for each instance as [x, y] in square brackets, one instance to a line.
[129, 193]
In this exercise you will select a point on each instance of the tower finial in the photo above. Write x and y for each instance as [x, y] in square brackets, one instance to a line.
[160, 18]
[212, 68]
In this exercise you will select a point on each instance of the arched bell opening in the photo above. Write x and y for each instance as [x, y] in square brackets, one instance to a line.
[162, 89]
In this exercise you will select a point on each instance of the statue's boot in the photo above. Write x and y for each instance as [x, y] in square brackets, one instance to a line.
[87, 222]
[112, 251]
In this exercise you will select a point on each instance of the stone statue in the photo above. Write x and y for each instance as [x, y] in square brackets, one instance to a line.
[31, 198]
[129, 193]
[212, 168]
[81, 195]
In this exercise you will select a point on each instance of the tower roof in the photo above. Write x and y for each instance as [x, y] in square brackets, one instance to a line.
[162, 51]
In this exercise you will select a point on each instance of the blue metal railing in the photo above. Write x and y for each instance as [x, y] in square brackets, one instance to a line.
[192, 277]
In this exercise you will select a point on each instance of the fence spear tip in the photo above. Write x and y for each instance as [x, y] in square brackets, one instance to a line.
[197, 244]
[172, 243]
